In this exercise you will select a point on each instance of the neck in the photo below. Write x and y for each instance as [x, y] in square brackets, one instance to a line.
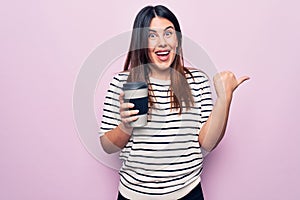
[161, 74]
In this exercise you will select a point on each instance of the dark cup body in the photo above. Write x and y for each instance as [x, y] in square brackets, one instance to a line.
[137, 93]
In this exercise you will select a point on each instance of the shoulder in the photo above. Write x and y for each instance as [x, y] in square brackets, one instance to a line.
[198, 80]
[118, 80]
[120, 77]
[196, 74]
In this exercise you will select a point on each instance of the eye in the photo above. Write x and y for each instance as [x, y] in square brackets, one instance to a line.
[152, 36]
[168, 33]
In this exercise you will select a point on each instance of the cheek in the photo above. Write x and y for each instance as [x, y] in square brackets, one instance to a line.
[151, 44]
[173, 43]
[151, 54]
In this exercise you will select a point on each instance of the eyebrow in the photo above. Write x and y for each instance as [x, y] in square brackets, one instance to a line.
[164, 29]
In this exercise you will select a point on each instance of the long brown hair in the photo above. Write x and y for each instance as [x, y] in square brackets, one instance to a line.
[138, 61]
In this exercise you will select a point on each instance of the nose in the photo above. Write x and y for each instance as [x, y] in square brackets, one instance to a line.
[162, 42]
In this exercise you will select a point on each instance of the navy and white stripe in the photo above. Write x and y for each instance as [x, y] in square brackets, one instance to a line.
[163, 158]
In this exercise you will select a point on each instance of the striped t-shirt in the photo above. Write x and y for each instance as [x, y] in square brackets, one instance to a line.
[162, 160]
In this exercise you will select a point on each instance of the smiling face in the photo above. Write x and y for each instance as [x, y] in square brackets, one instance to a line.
[162, 44]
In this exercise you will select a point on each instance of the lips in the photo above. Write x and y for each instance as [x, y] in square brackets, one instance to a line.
[163, 55]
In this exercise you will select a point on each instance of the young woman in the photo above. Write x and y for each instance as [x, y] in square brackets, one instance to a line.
[163, 160]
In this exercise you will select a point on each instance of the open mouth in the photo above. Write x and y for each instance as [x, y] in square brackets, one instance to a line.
[163, 55]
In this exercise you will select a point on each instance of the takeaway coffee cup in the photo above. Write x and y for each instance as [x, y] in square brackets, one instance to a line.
[137, 93]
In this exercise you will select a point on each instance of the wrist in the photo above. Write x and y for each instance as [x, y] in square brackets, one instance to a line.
[126, 128]
[225, 98]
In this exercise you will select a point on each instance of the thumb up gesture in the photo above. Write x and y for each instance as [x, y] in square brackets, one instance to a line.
[225, 83]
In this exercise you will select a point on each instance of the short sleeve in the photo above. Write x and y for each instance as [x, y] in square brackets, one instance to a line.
[201, 89]
[111, 115]
[206, 99]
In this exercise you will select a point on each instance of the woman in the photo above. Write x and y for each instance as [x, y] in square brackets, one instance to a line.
[163, 160]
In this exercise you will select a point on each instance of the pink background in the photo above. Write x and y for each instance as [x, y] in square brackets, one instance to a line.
[43, 44]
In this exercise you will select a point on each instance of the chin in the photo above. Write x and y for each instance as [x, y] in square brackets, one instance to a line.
[162, 66]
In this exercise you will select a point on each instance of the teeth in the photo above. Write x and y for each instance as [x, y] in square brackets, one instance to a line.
[162, 53]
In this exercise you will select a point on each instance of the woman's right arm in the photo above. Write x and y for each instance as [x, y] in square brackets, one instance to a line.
[116, 139]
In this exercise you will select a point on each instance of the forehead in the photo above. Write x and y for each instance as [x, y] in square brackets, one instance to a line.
[160, 23]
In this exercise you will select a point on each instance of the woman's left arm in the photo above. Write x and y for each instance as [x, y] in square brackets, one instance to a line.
[214, 128]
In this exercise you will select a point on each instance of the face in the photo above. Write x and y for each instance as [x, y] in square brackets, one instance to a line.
[162, 44]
